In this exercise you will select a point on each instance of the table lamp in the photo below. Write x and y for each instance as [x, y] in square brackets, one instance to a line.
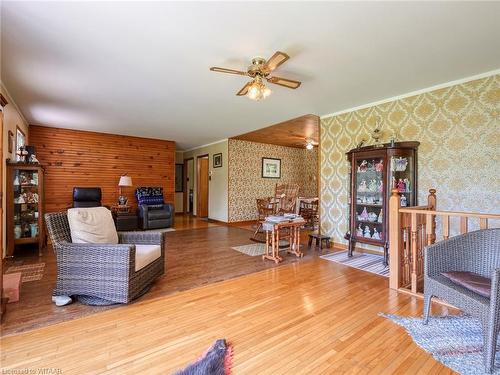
[124, 181]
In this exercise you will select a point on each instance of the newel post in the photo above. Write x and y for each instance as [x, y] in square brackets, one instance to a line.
[394, 239]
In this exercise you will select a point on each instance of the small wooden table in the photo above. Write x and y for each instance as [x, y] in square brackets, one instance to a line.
[273, 238]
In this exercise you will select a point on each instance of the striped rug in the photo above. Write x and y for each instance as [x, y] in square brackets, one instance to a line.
[362, 261]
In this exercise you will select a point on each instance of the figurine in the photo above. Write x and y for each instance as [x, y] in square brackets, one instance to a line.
[400, 164]
[403, 201]
[16, 181]
[22, 152]
[394, 182]
[376, 235]
[359, 231]
[33, 159]
[369, 200]
[372, 216]
[379, 167]
[363, 167]
[364, 215]
[362, 186]
[407, 185]
[367, 232]
[401, 186]
[19, 199]
[380, 217]
[372, 185]
[380, 186]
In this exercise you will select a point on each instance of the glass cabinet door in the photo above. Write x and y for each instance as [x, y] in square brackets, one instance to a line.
[369, 195]
[26, 201]
[401, 178]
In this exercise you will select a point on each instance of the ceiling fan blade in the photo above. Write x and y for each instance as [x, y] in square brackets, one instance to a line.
[276, 60]
[230, 71]
[290, 83]
[244, 89]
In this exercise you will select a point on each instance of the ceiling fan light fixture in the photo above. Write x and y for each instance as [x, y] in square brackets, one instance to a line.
[266, 92]
[258, 90]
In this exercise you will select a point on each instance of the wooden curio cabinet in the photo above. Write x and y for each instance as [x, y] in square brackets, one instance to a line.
[375, 170]
[24, 206]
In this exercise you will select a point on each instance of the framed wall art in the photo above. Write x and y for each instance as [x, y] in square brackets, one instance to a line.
[271, 168]
[217, 160]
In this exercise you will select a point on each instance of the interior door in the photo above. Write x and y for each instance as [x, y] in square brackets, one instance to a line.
[202, 199]
[1, 214]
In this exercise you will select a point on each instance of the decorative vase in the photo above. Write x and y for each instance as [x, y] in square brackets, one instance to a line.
[17, 231]
[34, 230]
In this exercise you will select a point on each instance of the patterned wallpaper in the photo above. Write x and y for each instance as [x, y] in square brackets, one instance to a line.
[245, 181]
[458, 129]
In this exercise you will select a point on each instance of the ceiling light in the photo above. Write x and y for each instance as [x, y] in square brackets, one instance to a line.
[258, 90]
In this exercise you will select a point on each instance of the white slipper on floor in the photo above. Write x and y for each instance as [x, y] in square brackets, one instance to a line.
[62, 300]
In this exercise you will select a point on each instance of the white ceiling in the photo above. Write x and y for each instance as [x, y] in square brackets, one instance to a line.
[141, 68]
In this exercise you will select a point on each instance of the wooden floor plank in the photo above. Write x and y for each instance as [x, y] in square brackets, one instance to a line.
[311, 317]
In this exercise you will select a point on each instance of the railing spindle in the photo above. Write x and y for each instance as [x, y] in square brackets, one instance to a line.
[446, 227]
[414, 249]
[483, 223]
[429, 229]
[464, 224]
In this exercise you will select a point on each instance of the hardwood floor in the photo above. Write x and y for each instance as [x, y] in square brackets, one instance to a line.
[308, 317]
[198, 253]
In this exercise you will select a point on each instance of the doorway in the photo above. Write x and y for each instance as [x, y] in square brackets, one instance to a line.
[188, 186]
[202, 187]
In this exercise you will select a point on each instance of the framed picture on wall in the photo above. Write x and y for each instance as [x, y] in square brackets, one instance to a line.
[217, 160]
[179, 178]
[271, 168]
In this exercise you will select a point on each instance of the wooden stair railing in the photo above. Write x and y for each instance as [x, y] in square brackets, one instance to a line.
[413, 228]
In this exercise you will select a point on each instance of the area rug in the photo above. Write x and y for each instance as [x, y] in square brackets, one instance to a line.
[216, 361]
[362, 261]
[455, 341]
[29, 272]
[256, 249]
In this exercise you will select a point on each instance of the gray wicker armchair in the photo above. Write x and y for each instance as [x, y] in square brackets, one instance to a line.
[477, 252]
[102, 274]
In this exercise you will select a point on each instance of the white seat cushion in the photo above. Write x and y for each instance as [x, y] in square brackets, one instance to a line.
[145, 254]
[92, 225]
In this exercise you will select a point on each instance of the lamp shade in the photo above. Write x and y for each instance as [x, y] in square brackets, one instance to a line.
[125, 181]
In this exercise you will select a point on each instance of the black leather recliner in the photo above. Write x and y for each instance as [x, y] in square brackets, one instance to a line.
[87, 197]
[154, 213]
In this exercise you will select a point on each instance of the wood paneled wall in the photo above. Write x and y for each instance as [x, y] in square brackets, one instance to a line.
[79, 158]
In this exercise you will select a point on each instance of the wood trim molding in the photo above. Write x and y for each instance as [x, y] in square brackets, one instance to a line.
[3, 101]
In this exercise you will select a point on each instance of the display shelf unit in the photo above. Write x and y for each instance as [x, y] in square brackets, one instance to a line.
[24, 206]
[374, 171]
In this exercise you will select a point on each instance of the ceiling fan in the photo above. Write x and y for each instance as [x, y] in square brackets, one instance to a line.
[260, 70]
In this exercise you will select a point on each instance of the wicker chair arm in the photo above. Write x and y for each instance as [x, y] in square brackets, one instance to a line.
[145, 238]
[495, 296]
[96, 254]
